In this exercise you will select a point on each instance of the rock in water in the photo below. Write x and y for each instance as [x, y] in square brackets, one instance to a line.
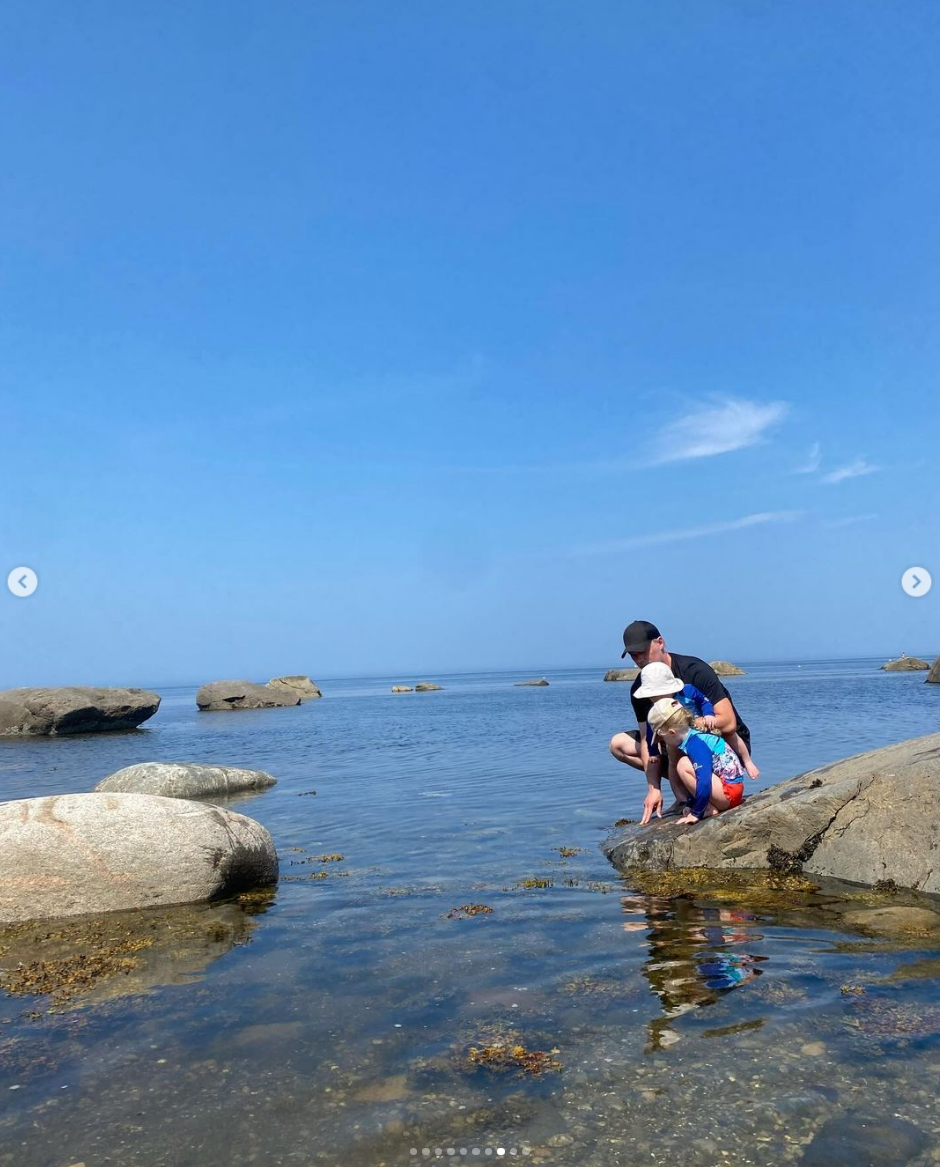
[860, 820]
[724, 668]
[73, 709]
[934, 674]
[402, 689]
[621, 674]
[243, 695]
[426, 687]
[71, 854]
[540, 682]
[905, 664]
[870, 1140]
[308, 690]
[183, 780]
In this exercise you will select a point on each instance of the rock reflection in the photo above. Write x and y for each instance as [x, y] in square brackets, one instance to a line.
[694, 956]
[90, 959]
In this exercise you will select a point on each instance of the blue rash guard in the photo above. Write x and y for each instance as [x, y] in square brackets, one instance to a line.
[711, 757]
[690, 698]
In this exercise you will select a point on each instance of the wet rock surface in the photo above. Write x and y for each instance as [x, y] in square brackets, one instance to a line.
[860, 820]
[184, 780]
[71, 854]
[73, 709]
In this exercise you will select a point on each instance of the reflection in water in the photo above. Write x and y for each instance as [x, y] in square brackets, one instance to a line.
[693, 958]
[89, 959]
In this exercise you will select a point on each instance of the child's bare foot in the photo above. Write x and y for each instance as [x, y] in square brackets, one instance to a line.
[752, 770]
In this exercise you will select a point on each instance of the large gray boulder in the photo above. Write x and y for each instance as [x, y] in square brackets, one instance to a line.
[220, 695]
[183, 780]
[621, 674]
[73, 709]
[306, 689]
[72, 854]
[905, 664]
[934, 675]
[864, 819]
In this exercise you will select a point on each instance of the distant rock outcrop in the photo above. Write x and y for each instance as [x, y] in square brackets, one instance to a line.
[724, 668]
[73, 709]
[219, 695]
[183, 780]
[621, 674]
[71, 854]
[306, 689]
[402, 689]
[426, 687]
[540, 682]
[859, 820]
[934, 675]
[905, 664]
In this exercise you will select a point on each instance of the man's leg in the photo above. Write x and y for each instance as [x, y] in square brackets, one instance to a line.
[626, 748]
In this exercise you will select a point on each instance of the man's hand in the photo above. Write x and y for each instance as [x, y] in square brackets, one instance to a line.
[652, 803]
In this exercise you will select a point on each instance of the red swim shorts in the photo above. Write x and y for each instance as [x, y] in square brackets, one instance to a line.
[734, 792]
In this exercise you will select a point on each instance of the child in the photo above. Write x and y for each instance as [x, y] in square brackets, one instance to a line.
[709, 770]
[657, 680]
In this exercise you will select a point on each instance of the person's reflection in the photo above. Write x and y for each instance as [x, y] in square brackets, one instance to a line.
[694, 955]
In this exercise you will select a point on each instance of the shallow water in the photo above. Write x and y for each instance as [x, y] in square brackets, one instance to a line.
[334, 1022]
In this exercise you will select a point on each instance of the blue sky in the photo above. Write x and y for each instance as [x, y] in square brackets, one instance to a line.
[398, 338]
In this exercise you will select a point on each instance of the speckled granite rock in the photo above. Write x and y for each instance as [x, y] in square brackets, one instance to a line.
[183, 780]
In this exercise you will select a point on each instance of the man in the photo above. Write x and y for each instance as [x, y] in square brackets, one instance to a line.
[644, 644]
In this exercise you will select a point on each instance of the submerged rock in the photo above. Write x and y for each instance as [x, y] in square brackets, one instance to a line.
[183, 780]
[860, 820]
[426, 687]
[724, 668]
[869, 1140]
[85, 960]
[621, 674]
[220, 695]
[71, 854]
[306, 689]
[73, 709]
[905, 664]
[538, 683]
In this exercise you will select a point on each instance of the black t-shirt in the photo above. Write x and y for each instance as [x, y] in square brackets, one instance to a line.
[693, 671]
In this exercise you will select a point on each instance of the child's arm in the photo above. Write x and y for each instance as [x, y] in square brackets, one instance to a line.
[706, 711]
[700, 756]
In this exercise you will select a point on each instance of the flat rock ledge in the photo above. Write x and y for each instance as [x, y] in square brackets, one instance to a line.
[73, 854]
[905, 664]
[862, 820]
[222, 695]
[183, 780]
[538, 683]
[307, 690]
[73, 709]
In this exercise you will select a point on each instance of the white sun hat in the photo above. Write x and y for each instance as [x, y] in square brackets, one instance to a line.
[657, 680]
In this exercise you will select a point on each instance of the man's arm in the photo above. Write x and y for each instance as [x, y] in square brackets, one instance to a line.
[726, 720]
[653, 802]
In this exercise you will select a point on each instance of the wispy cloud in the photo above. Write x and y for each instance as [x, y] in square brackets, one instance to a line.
[849, 521]
[811, 465]
[725, 527]
[857, 469]
[718, 427]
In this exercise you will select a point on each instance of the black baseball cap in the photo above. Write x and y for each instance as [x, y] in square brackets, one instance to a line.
[637, 636]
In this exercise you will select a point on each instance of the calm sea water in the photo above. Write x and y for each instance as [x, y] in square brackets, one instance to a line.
[334, 1023]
